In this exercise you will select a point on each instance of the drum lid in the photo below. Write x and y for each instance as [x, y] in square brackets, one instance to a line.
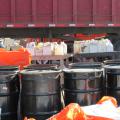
[82, 70]
[85, 65]
[112, 67]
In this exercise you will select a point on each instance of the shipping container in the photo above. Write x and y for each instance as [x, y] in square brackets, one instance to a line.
[59, 13]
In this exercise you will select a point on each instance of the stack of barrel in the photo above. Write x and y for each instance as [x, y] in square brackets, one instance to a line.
[36, 91]
[40, 94]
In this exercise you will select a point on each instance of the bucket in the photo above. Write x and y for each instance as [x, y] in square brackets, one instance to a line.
[112, 75]
[9, 92]
[40, 95]
[83, 86]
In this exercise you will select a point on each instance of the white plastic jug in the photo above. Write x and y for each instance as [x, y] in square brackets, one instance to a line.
[64, 47]
[31, 47]
[109, 46]
[93, 46]
[59, 49]
[47, 50]
[77, 47]
[102, 45]
[38, 51]
[82, 46]
[53, 48]
[40, 45]
[86, 47]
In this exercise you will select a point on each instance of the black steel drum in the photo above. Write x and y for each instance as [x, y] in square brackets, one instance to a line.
[40, 95]
[83, 86]
[112, 75]
[9, 92]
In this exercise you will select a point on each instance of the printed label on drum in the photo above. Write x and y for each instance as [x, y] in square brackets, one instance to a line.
[5, 88]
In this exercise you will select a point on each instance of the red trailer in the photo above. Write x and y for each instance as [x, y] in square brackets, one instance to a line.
[59, 13]
[34, 18]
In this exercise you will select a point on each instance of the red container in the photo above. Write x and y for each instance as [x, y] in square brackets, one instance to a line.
[59, 13]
